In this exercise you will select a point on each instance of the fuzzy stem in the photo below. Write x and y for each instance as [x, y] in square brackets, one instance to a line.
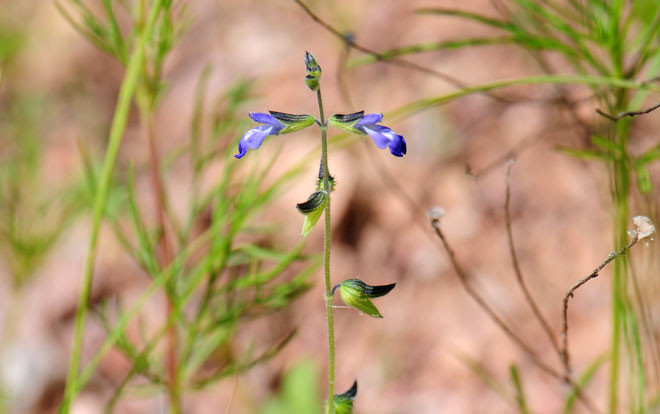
[330, 409]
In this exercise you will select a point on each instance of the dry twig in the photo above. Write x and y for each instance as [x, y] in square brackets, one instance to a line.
[464, 279]
[592, 275]
[349, 41]
[631, 114]
[516, 265]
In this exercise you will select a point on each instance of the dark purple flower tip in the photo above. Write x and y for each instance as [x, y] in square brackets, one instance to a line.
[385, 137]
[382, 135]
[255, 137]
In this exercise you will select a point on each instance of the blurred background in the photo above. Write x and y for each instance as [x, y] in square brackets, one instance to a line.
[435, 350]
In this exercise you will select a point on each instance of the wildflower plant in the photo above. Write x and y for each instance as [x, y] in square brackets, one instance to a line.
[354, 292]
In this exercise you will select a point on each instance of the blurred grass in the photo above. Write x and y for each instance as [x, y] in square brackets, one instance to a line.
[213, 283]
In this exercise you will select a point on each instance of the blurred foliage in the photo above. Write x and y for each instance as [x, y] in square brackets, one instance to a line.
[33, 211]
[224, 270]
[299, 392]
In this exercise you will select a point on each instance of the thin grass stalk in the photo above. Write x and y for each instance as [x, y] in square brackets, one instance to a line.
[620, 195]
[115, 137]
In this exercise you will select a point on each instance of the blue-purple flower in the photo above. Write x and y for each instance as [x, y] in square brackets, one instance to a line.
[277, 123]
[358, 123]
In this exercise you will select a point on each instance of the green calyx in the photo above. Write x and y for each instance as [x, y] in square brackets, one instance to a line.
[331, 181]
[347, 121]
[344, 402]
[312, 209]
[292, 122]
[313, 76]
[357, 294]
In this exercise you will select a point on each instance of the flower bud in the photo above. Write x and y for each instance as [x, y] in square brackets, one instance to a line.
[312, 209]
[356, 293]
[344, 402]
[313, 77]
[319, 182]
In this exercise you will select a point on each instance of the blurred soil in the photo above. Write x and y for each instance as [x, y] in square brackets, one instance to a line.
[412, 361]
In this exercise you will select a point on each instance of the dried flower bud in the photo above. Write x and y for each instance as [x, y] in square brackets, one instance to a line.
[644, 227]
[435, 213]
[357, 294]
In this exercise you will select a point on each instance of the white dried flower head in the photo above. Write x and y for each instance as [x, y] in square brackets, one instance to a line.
[644, 227]
[435, 213]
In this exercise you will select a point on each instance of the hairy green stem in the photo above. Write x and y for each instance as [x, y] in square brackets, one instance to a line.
[330, 409]
[116, 134]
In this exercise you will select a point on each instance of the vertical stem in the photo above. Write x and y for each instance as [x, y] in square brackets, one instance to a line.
[330, 409]
[165, 258]
[116, 134]
[620, 194]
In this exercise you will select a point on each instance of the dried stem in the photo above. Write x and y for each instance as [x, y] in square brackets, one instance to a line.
[592, 275]
[631, 114]
[516, 266]
[464, 279]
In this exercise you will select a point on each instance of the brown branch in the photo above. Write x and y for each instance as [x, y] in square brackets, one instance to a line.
[164, 257]
[516, 265]
[464, 279]
[349, 41]
[517, 149]
[592, 275]
[621, 115]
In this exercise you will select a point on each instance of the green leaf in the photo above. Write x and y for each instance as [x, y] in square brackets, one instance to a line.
[607, 145]
[583, 381]
[521, 401]
[585, 154]
[651, 155]
[644, 182]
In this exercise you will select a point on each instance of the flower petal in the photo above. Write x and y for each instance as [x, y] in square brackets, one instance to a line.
[263, 118]
[398, 146]
[381, 135]
[253, 139]
[242, 149]
[368, 120]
